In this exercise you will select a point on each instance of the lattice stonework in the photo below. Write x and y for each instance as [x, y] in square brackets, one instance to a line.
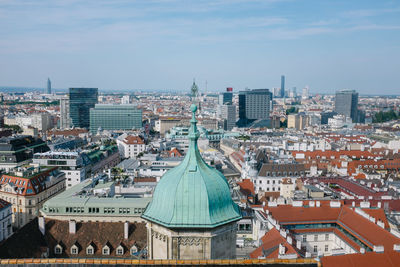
[190, 241]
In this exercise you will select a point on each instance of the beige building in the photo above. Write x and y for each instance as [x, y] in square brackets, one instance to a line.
[297, 121]
[164, 124]
[287, 188]
[130, 146]
[27, 188]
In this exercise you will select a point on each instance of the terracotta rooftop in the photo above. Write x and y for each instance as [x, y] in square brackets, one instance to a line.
[369, 259]
[363, 229]
[133, 140]
[4, 204]
[247, 187]
[270, 244]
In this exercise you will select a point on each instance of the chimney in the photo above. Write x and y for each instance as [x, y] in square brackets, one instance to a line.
[282, 249]
[126, 230]
[298, 244]
[72, 227]
[42, 225]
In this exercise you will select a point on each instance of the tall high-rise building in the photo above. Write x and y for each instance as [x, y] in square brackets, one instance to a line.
[225, 98]
[81, 100]
[226, 111]
[294, 93]
[346, 103]
[48, 86]
[254, 105]
[306, 93]
[283, 86]
[65, 121]
[115, 117]
[126, 99]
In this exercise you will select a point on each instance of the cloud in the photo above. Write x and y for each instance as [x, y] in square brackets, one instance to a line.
[361, 13]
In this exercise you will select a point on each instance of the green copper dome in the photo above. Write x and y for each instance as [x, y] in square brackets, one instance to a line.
[193, 194]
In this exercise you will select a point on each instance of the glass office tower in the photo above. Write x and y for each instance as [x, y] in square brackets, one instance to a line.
[81, 100]
[346, 103]
[115, 117]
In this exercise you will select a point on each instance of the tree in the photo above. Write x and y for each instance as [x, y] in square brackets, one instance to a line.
[15, 128]
[292, 110]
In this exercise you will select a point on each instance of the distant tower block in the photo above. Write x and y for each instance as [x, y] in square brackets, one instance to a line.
[48, 91]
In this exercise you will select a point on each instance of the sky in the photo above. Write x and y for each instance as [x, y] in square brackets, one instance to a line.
[165, 44]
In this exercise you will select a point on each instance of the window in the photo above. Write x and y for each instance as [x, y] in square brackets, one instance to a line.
[90, 250]
[134, 250]
[315, 249]
[106, 250]
[74, 249]
[58, 249]
[120, 250]
[326, 248]
[326, 236]
[304, 238]
[315, 237]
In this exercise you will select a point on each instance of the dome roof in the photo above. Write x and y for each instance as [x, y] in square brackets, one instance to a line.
[193, 194]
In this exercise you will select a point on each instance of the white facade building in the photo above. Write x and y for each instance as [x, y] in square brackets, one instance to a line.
[70, 163]
[130, 146]
[5, 220]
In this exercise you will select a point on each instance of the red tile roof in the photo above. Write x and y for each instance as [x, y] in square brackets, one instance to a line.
[371, 234]
[133, 140]
[4, 204]
[247, 187]
[27, 185]
[271, 240]
[363, 229]
[369, 259]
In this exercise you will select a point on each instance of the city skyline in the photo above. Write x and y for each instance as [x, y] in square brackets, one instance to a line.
[159, 44]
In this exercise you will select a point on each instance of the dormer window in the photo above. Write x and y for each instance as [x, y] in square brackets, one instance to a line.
[134, 250]
[74, 250]
[90, 250]
[106, 250]
[120, 250]
[58, 249]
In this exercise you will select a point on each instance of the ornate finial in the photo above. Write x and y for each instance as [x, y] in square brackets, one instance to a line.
[193, 108]
[193, 133]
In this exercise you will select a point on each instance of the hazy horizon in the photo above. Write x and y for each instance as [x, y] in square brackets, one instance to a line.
[228, 43]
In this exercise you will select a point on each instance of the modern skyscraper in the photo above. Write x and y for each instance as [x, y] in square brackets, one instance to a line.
[65, 121]
[283, 86]
[48, 86]
[254, 105]
[225, 98]
[346, 103]
[226, 111]
[115, 117]
[192, 214]
[81, 100]
[305, 94]
[126, 99]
